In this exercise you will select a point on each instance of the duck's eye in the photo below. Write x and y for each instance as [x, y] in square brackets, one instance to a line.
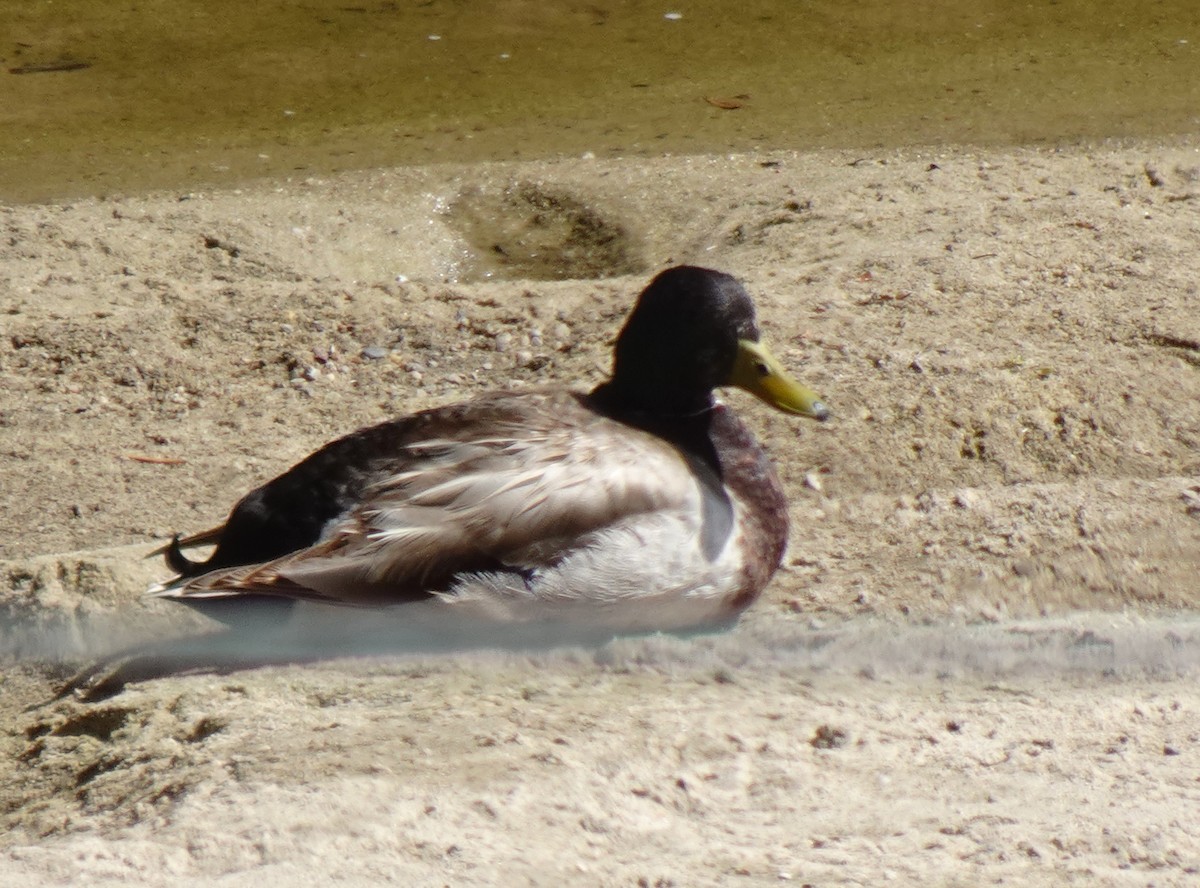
[763, 369]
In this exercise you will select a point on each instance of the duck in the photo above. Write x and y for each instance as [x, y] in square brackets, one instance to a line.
[643, 505]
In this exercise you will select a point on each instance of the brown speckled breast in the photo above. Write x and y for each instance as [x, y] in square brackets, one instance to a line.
[751, 479]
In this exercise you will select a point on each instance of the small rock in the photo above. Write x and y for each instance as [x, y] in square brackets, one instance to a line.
[374, 352]
[1025, 567]
[503, 341]
[827, 737]
[990, 614]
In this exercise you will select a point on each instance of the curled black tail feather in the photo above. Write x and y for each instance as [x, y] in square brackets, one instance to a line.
[179, 562]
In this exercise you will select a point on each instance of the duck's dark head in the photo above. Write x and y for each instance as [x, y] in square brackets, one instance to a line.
[694, 330]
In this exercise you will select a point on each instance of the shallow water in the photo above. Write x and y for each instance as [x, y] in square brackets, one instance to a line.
[101, 96]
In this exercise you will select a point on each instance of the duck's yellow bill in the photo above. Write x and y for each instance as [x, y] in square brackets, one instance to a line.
[759, 372]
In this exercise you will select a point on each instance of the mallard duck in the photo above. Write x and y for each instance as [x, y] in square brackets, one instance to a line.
[642, 505]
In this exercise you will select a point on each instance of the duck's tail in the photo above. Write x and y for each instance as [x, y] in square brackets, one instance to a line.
[172, 553]
[176, 560]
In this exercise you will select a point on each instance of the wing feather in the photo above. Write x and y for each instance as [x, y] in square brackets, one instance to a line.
[517, 491]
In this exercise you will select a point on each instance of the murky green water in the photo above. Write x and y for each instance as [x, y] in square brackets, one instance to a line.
[99, 96]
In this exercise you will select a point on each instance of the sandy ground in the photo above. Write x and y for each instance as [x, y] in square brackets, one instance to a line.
[978, 666]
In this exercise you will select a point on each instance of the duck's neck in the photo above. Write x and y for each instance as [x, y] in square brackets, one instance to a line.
[620, 400]
[681, 418]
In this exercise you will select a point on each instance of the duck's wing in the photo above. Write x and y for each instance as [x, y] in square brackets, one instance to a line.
[515, 493]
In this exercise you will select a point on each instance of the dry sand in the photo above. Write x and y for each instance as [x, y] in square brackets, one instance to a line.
[978, 666]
